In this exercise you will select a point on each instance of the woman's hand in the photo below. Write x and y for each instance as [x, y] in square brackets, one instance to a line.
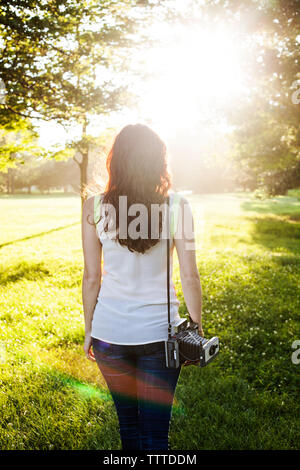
[88, 347]
[200, 331]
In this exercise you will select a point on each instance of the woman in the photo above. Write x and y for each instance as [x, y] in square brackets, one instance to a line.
[126, 314]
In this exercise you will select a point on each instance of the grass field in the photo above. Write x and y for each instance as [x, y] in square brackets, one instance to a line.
[248, 256]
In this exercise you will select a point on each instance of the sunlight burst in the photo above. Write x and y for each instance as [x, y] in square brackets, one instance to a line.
[199, 74]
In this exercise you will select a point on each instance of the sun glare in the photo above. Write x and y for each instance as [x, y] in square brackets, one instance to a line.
[192, 78]
[195, 77]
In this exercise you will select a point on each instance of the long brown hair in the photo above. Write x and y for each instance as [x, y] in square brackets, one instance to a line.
[137, 168]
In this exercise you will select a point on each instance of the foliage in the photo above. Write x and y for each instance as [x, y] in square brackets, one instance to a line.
[16, 140]
[51, 53]
[58, 58]
[266, 136]
[57, 170]
[278, 182]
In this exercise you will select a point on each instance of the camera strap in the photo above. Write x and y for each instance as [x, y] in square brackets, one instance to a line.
[172, 221]
[168, 267]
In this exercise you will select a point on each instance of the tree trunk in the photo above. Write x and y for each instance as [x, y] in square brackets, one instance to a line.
[12, 182]
[7, 183]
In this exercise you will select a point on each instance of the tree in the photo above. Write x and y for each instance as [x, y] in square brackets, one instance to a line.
[58, 58]
[267, 133]
[48, 173]
[26, 173]
[265, 119]
[16, 139]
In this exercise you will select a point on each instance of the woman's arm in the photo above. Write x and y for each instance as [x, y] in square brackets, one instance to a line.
[189, 275]
[91, 281]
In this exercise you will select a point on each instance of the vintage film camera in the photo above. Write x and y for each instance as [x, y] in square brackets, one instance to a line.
[186, 345]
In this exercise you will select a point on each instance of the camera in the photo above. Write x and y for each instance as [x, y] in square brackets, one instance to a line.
[186, 345]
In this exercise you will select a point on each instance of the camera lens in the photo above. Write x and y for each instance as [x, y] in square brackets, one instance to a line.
[212, 349]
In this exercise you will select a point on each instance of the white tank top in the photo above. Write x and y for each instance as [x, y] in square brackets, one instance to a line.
[132, 306]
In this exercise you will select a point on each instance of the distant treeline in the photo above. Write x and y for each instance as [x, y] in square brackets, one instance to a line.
[200, 176]
[43, 176]
[51, 175]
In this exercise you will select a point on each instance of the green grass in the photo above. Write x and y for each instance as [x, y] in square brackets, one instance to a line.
[248, 257]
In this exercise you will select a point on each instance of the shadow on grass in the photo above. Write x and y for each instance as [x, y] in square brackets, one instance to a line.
[276, 234]
[38, 234]
[289, 206]
[230, 414]
[23, 270]
[52, 410]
